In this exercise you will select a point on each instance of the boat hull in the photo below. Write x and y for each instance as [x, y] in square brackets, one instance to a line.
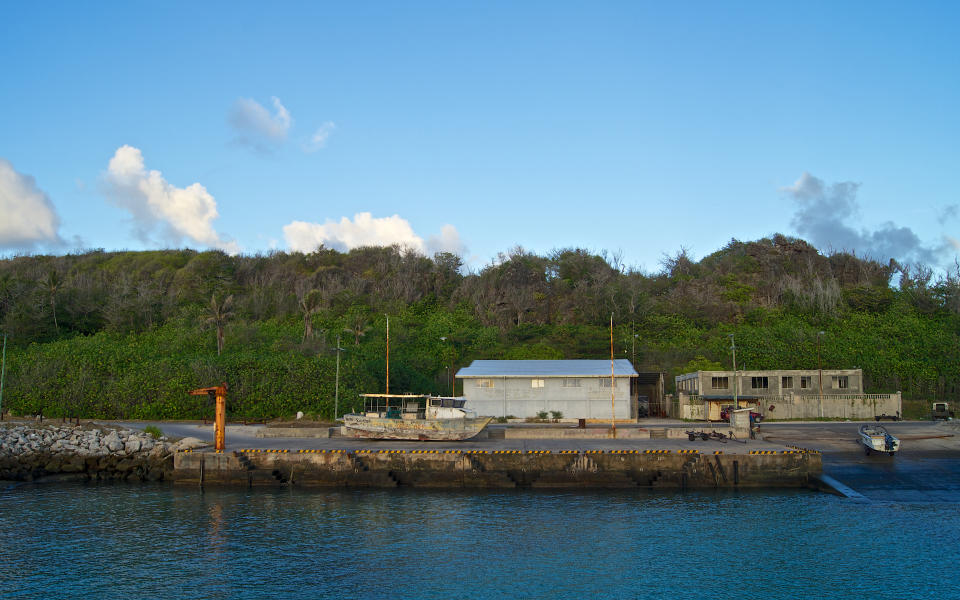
[382, 428]
[876, 439]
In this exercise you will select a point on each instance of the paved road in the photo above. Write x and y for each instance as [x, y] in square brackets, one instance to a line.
[245, 436]
[926, 469]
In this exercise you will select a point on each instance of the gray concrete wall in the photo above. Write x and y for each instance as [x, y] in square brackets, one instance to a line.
[795, 406]
[516, 396]
[510, 469]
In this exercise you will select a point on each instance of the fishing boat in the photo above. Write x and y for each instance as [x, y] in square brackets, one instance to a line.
[876, 438]
[413, 417]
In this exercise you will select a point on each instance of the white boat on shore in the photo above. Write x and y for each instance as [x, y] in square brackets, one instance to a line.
[413, 417]
[876, 438]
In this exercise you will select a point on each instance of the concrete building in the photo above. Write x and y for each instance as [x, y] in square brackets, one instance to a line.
[579, 389]
[780, 394]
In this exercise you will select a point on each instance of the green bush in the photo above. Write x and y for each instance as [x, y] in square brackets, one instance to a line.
[153, 431]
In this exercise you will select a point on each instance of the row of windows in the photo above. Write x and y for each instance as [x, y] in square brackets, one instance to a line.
[567, 382]
[839, 382]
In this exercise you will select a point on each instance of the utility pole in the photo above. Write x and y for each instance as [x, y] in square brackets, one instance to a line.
[820, 377]
[736, 380]
[613, 389]
[3, 370]
[336, 394]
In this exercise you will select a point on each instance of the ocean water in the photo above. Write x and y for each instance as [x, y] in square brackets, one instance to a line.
[158, 541]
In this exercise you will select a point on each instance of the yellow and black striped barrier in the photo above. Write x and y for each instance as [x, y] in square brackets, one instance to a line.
[312, 451]
[185, 450]
[718, 451]
[538, 451]
[424, 451]
[593, 452]
[475, 452]
[569, 452]
[763, 452]
[624, 452]
[656, 452]
[507, 451]
[688, 451]
[804, 450]
[452, 452]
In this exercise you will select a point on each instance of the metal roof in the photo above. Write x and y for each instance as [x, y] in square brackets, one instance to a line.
[547, 368]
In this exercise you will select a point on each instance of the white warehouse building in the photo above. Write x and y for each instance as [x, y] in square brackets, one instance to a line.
[579, 389]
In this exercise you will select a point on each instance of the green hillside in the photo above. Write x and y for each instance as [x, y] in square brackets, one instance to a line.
[127, 334]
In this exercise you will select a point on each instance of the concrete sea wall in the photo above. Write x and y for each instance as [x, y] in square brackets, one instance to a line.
[498, 469]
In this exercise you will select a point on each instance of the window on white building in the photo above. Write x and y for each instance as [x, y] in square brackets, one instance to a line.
[485, 383]
[536, 383]
[571, 382]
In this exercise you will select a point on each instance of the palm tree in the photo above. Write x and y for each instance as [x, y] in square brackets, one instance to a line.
[219, 315]
[310, 304]
[51, 285]
[358, 325]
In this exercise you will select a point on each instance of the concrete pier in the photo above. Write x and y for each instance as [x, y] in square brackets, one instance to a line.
[438, 468]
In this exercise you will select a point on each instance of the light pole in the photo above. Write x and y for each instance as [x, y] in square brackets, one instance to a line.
[336, 394]
[3, 370]
[443, 338]
[820, 376]
[736, 380]
[634, 350]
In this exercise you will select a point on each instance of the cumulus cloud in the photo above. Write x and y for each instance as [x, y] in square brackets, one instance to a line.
[824, 214]
[365, 230]
[319, 138]
[179, 213]
[29, 217]
[254, 124]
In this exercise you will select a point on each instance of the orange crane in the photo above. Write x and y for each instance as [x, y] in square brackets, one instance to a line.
[217, 394]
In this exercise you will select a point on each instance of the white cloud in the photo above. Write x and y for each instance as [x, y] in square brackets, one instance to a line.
[255, 125]
[180, 212]
[319, 138]
[365, 230]
[447, 241]
[28, 216]
[828, 215]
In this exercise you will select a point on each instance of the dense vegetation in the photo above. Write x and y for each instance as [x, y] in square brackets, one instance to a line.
[127, 334]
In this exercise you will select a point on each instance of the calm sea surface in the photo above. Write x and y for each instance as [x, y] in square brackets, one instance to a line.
[157, 541]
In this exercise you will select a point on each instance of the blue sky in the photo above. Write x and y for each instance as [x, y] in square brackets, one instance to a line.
[637, 128]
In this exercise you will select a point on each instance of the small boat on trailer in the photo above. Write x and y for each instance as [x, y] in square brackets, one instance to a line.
[413, 417]
[875, 438]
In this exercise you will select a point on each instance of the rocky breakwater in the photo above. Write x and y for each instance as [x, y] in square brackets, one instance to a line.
[89, 452]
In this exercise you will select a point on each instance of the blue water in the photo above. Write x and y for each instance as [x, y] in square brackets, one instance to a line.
[157, 541]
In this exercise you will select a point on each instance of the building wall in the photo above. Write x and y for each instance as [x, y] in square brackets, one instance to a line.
[518, 397]
[701, 382]
[794, 406]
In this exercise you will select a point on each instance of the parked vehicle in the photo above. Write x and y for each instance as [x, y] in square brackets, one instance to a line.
[941, 410]
[886, 417]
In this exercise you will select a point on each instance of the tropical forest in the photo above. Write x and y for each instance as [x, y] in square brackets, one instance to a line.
[126, 335]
